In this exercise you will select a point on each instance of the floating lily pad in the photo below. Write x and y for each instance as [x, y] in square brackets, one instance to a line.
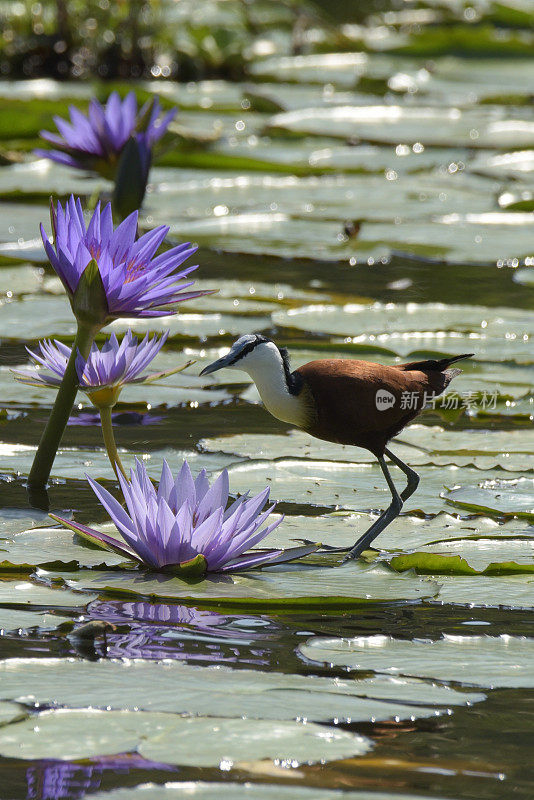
[202, 203]
[402, 318]
[37, 317]
[182, 688]
[51, 547]
[434, 126]
[13, 619]
[355, 486]
[10, 712]
[488, 661]
[487, 329]
[52, 178]
[14, 592]
[408, 533]
[284, 587]
[511, 450]
[496, 498]
[481, 591]
[19, 280]
[75, 462]
[459, 81]
[250, 791]
[204, 742]
[15, 520]
[465, 557]
[315, 155]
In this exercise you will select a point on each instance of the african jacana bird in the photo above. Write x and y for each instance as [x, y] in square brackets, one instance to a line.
[345, 401]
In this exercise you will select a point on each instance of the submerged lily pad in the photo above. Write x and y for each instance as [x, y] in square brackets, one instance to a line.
[182, 688]
[488, 661]
[190, 741]
[284, 587]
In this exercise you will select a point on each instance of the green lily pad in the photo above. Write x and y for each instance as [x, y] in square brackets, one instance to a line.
[287, 586]
[378, 318]
[14, 592]
[174, 390]
[35, 317]
[55, 179]
[355, 486]
[200, 199]
[509, 450]
[189, 741]
[498, 497]
[408, 533]
[75, 462]
[432, 126]
[250, 791]
[458, 81]
[10, 712]
[15, 520]
[495, 333]
[181, 688]
[13, 619]
[22, 279]
[49, 548]
[482, 591]
[487, 661]
[482, 557]
[315, 155]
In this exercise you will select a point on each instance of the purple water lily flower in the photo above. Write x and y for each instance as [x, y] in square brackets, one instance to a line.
[184, 526]
[105, 372]
[134, 282]
[96, 141]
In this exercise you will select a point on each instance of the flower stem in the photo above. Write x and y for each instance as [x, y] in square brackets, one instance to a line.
[109, 440]
[57, 421]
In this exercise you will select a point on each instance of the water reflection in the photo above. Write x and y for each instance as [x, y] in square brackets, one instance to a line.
[89, 418]
[163, 630]
[62, 780]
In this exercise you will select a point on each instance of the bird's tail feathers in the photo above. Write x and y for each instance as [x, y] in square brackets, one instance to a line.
[437, 365]
[446, 362]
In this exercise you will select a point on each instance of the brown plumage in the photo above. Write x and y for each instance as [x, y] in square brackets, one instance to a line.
[343, 402]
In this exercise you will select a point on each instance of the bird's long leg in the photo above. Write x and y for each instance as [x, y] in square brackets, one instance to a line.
[387, 516]
[413, 477]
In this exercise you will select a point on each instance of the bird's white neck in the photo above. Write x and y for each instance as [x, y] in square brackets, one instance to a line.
[266, 368]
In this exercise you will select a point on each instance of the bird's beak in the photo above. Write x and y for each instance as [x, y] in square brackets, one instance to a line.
[219, 364]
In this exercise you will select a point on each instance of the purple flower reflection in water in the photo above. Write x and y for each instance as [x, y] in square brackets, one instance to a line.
[63, 780]
[89, 419]
[162, 630]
